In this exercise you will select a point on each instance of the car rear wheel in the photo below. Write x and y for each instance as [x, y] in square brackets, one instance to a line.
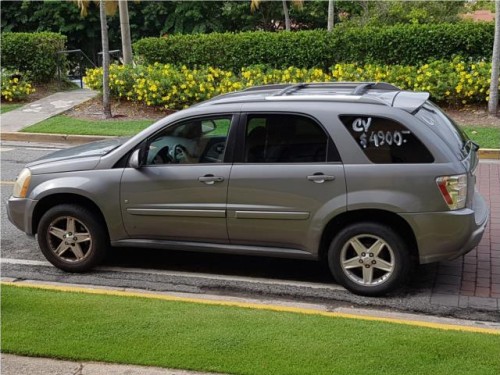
[72, 238]
[369, 259]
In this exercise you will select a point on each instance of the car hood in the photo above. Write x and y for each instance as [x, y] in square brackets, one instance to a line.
[79, 158]
[92, 149]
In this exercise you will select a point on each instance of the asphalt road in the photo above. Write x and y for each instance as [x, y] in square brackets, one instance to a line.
[162, 270]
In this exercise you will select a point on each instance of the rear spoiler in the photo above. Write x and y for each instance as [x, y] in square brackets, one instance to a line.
[410, 101]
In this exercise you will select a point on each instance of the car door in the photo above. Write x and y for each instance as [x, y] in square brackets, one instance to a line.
[289, 178]
[180, 192]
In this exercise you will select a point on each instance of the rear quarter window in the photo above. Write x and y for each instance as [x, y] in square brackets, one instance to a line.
[385, 141]
[444, 127]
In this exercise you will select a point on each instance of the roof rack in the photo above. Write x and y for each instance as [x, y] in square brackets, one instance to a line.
[267, 87]
[364, 87]
[356, 87]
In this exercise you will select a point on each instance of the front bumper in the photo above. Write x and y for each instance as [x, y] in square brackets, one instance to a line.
[448, 235]
[20, 213]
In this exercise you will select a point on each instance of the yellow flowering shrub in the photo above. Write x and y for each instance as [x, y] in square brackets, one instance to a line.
[14, 87]
[450, 82]
[165, 85]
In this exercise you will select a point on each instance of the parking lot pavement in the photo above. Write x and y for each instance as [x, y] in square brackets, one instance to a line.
[473, 281]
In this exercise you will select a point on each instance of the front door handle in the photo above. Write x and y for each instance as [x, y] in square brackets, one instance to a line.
[319, 178]
[210, 179]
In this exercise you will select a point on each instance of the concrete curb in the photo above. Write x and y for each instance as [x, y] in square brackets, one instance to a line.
[51, 138]
[484, 153]
[489, 153]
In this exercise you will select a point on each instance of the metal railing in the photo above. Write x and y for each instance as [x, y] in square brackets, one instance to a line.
[114, 55]
[73, 65]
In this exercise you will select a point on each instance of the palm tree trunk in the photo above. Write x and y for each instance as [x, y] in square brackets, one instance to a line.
[125, 31]
[495, 64]
[330, 15]
[287, 15]
[106, 103]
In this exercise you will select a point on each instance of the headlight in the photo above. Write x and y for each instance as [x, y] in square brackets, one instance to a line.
[22, 184]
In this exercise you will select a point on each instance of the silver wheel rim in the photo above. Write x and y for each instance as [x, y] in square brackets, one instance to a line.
[69, 239]
[367, 260]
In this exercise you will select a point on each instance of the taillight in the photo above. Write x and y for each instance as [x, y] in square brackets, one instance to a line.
[454, 190]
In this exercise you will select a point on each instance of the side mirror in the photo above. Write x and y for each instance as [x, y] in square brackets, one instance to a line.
[135, 159]
[207, 126]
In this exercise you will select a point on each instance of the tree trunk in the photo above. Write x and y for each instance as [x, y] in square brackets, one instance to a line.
[330, 15]
[125, 31]
[106, 103]
[495, 64]
[287, 15]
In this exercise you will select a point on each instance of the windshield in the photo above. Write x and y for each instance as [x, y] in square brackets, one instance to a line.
[445, 127]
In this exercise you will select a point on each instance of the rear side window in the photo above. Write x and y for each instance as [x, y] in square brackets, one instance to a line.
[386, 141]
[276, 138]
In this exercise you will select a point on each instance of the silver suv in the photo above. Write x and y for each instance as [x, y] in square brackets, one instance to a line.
[363, 176]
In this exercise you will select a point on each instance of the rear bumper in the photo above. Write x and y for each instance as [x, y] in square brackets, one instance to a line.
[448, 235]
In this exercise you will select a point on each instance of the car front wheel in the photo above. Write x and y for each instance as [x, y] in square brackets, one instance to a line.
[72, 238]
[369, 259]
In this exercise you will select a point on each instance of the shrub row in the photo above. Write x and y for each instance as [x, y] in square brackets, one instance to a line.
[400, 44]
[450, 82]
[33, 54]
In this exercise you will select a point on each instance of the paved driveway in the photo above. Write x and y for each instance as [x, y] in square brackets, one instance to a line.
[474, 279]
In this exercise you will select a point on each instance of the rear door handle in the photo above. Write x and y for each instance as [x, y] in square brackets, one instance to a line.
[319, 178]
[210, 179]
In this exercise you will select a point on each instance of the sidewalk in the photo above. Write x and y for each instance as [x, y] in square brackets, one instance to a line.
[42, 109]
[19, 365]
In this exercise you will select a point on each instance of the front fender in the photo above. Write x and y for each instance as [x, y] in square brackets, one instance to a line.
[100, 187]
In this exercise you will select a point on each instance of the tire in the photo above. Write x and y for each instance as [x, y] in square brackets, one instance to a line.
[369, 259]
[72, 238]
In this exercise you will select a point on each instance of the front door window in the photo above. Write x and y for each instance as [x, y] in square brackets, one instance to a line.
[190, 142]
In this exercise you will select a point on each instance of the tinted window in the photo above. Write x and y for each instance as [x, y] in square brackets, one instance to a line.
[190, 142]
[444, 126]
[386, 141]
[284, 139]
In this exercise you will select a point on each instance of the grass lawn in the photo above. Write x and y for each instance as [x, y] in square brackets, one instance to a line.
[227, 339]
[62, 124]
[7, 107]
[484, 136]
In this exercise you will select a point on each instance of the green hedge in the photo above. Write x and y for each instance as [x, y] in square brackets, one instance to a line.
[33, 54]
[400, 44]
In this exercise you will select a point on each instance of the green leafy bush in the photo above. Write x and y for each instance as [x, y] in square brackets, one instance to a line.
[14, 87]
[451, 82]
[33, 54]
[400, 44]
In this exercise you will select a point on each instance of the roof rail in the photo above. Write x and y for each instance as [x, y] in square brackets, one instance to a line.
[291, 88]
[267, 87]
[364, 87]
[357, 88]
